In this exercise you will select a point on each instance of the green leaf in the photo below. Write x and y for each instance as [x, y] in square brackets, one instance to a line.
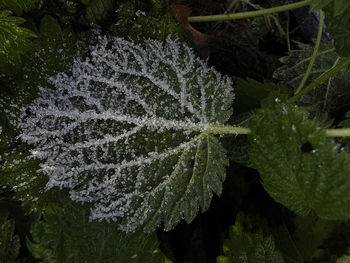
[14, 40]
[304, 239]
[21, 174]
[247, 245]
[297, 163]
[341, 6]
[66, 235]
[332, 95]
[285, 244]
[9, 243]
[128, 127]
[53, 52]
[249, 93]
[319, 4]
[18, 6]
[339, 28]
[346, 122]
[99, 10]
[337, 21]
[310, 233]
[344, 259]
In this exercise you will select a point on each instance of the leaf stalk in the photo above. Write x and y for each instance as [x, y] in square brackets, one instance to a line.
[314, 54]
[226, 130]
[344, 132]
[249, 14]
[328, 74]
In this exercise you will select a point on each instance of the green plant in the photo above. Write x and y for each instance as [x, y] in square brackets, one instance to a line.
[151, 112]
[142, 134]
[67, 235]
[14, 40]
[18, 6]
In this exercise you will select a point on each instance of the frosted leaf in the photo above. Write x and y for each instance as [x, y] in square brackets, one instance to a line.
[125, 131]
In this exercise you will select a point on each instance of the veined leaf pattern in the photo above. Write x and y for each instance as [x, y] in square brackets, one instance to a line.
[126, 131]
[299, 166]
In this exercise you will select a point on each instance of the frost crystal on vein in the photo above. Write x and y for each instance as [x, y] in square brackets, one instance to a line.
[124, 131]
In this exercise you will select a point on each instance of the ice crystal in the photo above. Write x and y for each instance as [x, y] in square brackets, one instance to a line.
[125, 131]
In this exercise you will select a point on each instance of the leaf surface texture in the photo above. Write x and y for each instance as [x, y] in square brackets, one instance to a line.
[66, 236]
[126, 132]
[14, 40]
[298, 164]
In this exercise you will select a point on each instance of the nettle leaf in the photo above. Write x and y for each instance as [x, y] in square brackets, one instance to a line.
[127, 132]
[18, 6]
[297, 163]
[9, 243]
[337, 21]
[339, 27]
[14, 40]
[310, 233]
[247, 245]
[330, 95]
[339, 6]
[65, 235]
[319, 4]
[53, 52]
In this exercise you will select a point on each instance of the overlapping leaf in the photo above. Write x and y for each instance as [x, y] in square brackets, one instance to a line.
[297, 163]
[126, 132]
[18, 6]
[14, 40]
[66, 236]
[339, 28]
[340, 6]
[330, 95]
[53, 52]
[337, 21]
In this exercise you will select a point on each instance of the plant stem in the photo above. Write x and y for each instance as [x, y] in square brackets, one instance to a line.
[329, 84]
[249, 14]
[314, 55]
[321, 79]
[226, 130]
[344, 132]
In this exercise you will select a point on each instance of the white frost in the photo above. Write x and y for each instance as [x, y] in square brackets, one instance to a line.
[111, 130]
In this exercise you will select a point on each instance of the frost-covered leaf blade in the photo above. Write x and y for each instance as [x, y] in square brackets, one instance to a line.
[53, 52]
[297, 163]
[124, 131]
